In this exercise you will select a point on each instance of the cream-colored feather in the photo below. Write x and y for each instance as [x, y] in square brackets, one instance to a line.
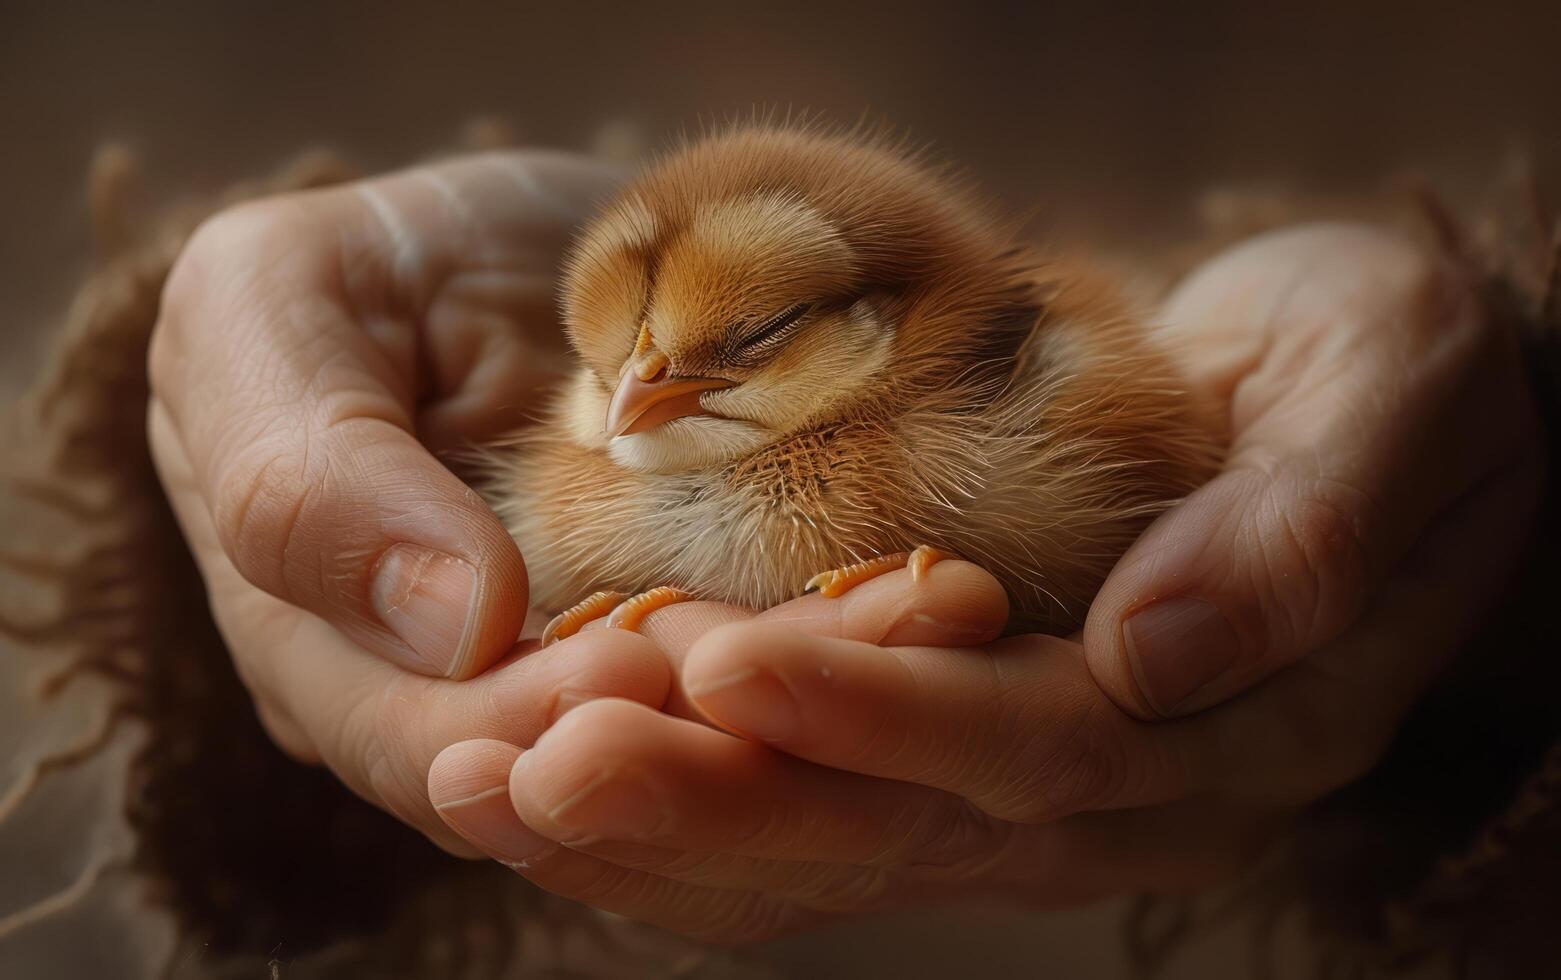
[944, 388]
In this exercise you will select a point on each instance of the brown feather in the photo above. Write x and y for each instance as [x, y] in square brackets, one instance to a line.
[947, 388]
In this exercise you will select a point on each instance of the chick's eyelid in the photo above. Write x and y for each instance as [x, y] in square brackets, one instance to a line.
[775, 326]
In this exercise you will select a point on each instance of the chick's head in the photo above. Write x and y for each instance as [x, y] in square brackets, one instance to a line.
[753, 284]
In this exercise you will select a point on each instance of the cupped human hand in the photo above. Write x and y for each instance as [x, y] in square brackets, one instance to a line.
[315, 355]
[1376, 413]
[1382, 435]
[378, 727]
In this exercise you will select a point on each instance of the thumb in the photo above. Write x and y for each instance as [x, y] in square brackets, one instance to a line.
[1241, 579]
[297, 421]
[1351, 436]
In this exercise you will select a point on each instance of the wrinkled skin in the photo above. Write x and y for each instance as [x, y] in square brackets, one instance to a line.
[316, 350]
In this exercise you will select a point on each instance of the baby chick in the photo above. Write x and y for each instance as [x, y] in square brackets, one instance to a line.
[806, 350]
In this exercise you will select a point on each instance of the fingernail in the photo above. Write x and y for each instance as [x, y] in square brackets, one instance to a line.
[1177, 646]
[427, 598]
[613, 806]
[751, 701]
[488, 820]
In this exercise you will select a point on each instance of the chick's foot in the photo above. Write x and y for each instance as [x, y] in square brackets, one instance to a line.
[630, 612]
[839, 581]
[568, 622]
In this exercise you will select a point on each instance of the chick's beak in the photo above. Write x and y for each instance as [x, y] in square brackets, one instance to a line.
[647, 396]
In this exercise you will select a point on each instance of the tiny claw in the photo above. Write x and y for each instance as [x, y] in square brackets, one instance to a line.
[631, 612]
[825, 582]
[838, 581]
[568, 622]
[923, 558]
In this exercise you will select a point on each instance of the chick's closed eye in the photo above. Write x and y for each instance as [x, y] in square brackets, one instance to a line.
[770, 333]
[803, 349]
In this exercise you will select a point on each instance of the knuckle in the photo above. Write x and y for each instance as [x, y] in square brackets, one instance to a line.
[348, 743]
[233, 237]
[394, 722]
[386, 737]
[591, 738]
[267, 494]
[1058, 769]
[1328, 534]
[241, 227]
[197, 276]
[1310, 564]
[611, 664]
[606, 723]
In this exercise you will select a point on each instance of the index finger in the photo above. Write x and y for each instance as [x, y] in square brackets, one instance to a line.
[1021, 729]
[958, 604]
[1017, 727]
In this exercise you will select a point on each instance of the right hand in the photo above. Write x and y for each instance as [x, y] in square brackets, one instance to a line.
[324, 698]
[315, 350]
[313, 353]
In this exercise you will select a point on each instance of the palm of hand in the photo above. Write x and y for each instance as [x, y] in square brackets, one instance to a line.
[1380, 471]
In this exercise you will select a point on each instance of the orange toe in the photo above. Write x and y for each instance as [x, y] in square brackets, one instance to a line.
[631, 612]
[923, 558]
[568, 622]
[838, 581]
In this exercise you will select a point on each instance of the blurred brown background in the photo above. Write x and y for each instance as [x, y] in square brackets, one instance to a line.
[1088, 112]
[1108, 121]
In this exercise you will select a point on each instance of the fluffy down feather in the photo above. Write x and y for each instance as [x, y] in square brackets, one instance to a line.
[945, 387]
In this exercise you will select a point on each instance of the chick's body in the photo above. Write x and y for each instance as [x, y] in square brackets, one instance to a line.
[842, 356]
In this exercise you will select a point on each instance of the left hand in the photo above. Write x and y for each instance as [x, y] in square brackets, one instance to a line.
[877, 770]
[907, 771]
